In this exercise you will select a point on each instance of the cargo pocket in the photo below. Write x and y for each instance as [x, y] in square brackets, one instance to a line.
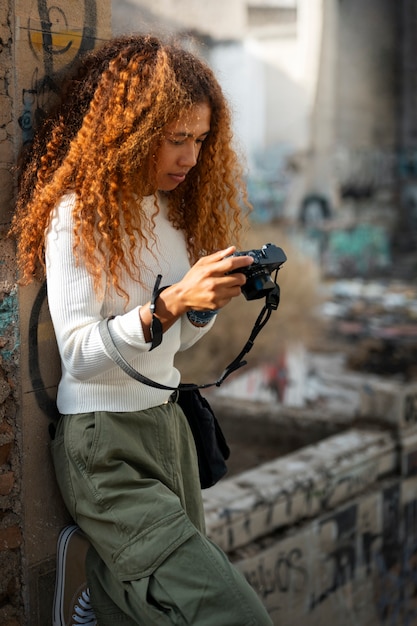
[143, 554]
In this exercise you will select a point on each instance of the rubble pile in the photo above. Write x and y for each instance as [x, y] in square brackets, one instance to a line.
[377, 321]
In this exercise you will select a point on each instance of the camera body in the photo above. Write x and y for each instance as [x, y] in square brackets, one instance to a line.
[258, 275]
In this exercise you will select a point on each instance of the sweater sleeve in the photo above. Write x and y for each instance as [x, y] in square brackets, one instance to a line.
[190, 334]
[75, 308]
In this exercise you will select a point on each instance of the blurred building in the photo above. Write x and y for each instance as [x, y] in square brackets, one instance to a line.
[323, 95]
[266, 55]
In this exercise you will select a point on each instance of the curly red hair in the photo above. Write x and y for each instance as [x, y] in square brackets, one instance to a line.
[99, 143]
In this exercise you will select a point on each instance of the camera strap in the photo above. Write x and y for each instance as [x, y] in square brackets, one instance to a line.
[271, 304]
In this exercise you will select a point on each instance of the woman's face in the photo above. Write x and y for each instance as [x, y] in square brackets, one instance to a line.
[181, 146]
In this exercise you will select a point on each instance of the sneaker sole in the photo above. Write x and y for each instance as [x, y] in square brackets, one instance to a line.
[63, 539]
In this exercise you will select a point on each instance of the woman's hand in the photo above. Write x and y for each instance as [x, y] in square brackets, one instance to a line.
[208, 285]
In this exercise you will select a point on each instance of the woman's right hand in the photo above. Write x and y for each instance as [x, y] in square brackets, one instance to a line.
[209, 285]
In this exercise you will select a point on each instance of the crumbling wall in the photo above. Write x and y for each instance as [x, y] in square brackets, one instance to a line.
[39, 41]
[328, 534]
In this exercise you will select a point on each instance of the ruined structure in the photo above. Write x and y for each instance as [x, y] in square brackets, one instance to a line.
[327, 533]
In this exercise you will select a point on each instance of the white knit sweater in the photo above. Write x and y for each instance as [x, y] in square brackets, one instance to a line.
[90, 380]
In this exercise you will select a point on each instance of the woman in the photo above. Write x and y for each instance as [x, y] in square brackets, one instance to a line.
[135, 176]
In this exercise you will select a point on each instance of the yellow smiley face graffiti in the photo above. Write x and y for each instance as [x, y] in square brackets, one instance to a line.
[53, 37]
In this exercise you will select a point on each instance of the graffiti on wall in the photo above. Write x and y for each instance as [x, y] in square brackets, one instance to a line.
[9, 325]
[55, 47]
[363, 171]
[410, 409]
[360, 251]
[288, 574]
[371, 543]
[369, 169]
[396, 562]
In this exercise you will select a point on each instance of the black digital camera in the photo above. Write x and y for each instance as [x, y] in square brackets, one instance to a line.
[258, 275]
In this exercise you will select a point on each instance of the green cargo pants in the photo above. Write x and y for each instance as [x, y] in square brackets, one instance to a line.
[130, 481]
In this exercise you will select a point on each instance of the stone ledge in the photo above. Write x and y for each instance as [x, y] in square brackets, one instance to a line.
[297, 486]
[334, 569]
[390, 402]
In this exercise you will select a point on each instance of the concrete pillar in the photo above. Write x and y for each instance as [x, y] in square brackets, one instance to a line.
[319, 172]
[39, 41]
